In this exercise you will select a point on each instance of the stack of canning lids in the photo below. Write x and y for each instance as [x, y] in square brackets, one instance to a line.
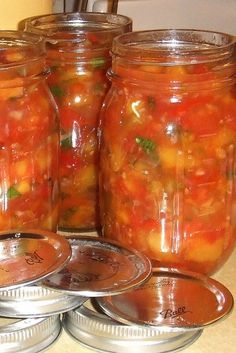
[131, 305]
[43, 275]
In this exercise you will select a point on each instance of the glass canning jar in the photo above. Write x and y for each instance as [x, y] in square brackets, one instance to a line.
[78, 47]
[168, 145]
[29, 136]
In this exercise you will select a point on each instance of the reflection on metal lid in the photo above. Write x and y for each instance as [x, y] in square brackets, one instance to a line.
[30, 335]
[98, 331]
[27, 257]
[172, 301]
[100, 267]
[36, 301]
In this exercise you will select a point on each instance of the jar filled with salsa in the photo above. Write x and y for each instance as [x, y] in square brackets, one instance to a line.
[29, 136]
[78, 47]
[168, 147]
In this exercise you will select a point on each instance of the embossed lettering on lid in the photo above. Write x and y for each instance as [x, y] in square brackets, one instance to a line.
[171, 300]
[29, 256]
[100, 267]
[98, 331]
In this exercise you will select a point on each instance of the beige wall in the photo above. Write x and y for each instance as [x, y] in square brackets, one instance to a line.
[13, 11]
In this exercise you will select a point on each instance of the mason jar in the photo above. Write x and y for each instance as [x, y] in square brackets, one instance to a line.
[78, 47]
[168, 147]
[29, 136]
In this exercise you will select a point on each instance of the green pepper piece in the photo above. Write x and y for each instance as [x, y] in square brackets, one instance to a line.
[97, 62]
[67, 142]
[146, 144]
[57, 91]
[12, 193]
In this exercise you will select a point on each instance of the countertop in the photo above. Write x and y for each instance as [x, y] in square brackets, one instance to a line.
[218, 338]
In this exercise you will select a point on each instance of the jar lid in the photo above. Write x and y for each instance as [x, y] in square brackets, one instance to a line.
[29, 256]
[98, 331]
[29, 335]
[171, 300]
[100, 267]
[36, 301]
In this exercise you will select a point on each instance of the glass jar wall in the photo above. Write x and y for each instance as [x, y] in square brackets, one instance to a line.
[168, 142]
[78, 47]
[29, 136]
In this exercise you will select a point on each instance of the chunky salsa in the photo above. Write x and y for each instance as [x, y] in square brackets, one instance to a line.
[167, 177]
[79, 89]
[29, 142]
[78, 46]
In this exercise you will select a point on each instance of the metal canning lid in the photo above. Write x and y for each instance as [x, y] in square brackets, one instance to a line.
[171, 300]
[100, 267]
[98, 331]
[29, 335]
[29, 256]
[36, 301]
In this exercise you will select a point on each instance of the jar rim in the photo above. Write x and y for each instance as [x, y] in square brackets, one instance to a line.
[181, 46]
[15, 42]
[71, 26]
